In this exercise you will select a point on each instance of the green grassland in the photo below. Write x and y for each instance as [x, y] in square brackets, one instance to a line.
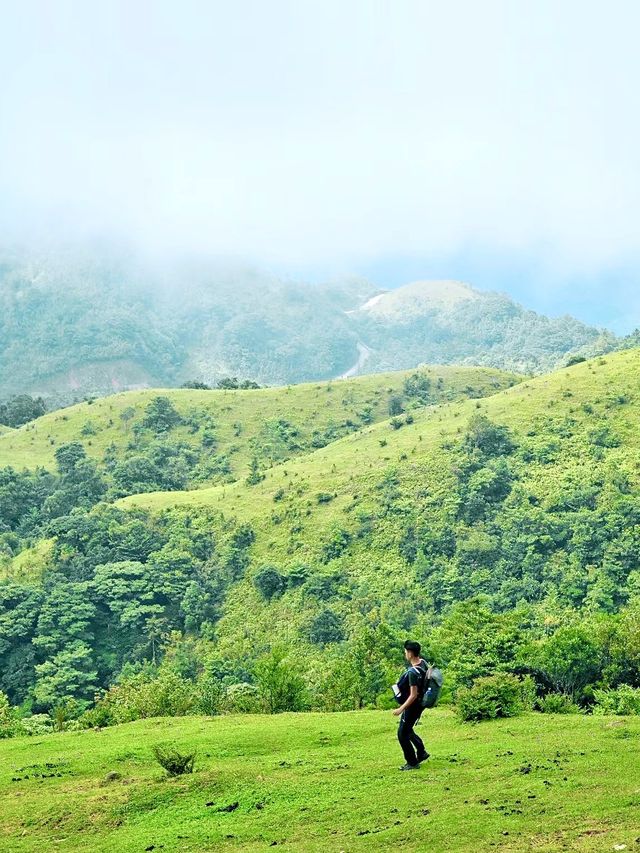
[609, 388]
[326, 782]
[552, 417]
[244, 423]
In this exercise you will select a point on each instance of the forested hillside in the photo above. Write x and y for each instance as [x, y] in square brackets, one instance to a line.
[503, 529]
[78, 324]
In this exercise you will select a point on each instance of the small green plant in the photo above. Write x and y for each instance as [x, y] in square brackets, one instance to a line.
[176, 763]
[557, 703]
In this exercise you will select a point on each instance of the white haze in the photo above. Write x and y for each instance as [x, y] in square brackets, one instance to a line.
[327, 133]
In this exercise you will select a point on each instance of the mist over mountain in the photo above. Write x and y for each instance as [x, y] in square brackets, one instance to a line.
[82, 323]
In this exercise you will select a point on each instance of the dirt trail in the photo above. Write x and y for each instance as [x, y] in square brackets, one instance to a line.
[363, 355]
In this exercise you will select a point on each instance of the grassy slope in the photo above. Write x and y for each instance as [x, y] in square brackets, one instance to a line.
[309, 406]
[352, 464]
[314, 782]
[291, 531]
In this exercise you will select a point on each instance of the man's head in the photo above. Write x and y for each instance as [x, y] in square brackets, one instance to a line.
[411, 650]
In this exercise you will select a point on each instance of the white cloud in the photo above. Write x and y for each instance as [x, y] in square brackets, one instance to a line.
[310, 132]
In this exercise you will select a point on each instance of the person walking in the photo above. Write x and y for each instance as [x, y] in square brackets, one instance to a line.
[409, 691]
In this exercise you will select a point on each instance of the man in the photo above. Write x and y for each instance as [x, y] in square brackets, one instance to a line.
[408, 692]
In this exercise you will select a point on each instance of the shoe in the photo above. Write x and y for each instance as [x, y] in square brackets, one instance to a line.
[410, 767]
[424, 757]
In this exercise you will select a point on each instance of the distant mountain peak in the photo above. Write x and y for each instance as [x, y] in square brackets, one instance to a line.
[418, 297]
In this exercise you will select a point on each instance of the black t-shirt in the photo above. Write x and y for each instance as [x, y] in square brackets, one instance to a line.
[415, 676]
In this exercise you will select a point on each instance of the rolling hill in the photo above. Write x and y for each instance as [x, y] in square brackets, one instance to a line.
[497, 528]
[270, 424]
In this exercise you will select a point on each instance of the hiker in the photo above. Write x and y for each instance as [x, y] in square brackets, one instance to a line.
[409, 691]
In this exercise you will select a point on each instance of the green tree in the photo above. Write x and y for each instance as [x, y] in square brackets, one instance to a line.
[161, 415]
[281, 686]
[269, 582]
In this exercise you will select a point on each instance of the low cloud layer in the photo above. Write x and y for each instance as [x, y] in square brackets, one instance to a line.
[328, 134]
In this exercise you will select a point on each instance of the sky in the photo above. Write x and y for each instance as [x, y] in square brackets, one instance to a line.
[494, 142]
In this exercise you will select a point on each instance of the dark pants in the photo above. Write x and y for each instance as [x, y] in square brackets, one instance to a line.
[408, 738]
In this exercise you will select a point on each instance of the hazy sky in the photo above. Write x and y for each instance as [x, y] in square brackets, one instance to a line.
[493, 141]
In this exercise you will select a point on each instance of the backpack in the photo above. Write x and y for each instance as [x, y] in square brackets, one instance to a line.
[434, 682]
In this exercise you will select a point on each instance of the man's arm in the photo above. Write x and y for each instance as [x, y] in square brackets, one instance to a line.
[413, 695]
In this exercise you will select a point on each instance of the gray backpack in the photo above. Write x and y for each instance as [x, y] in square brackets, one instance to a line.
[433, 683]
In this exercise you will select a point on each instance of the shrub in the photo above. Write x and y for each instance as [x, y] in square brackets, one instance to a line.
[490, 697]
[623, 701]
[281, 687]
[161, 415]
[174, 762]
[140, 696]
[8, 722]
[209, 695]
[242, 698]
[326, 628]
[557, 703]
[38, 724]
[269, 582]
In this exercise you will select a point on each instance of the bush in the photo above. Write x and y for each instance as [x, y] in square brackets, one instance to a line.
[38, 724]
[209, 695]
[493, 696]
[8, 721]
[326, 628]
[174, 762]
[140, 696]
[281, 687]
[557, 703]
[242, 698]
[269, 582]
[623, 701]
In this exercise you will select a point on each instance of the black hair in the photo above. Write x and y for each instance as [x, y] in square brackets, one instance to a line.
[412, 647]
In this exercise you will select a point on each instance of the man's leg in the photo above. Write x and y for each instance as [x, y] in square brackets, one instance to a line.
[405, 736]
[419, 745]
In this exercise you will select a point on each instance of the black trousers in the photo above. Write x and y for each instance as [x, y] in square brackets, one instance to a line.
[408, 738]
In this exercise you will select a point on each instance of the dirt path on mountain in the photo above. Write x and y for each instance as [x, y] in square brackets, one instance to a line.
[363, 356]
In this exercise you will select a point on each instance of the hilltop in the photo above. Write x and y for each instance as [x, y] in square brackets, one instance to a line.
[74, 325]
[226, 429]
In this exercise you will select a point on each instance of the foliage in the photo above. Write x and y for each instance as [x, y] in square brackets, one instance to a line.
[269, 582]
[279, 682]
[176, 763]
[490, 697]
[161, 415]
[557, 703]
[20, 409]
[623, 700]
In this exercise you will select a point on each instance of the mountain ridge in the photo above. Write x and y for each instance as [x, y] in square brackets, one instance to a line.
[73, 327]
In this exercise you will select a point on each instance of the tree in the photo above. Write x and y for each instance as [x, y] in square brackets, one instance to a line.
[68, 456]
[570, 659]
[161, 415]
[488, 438]
[196, 385]
[255, 475]
[326, 628]
[269, 582]
[21, 409]
[281, 686]
[68, 674]
[395, 406]
[126, 416]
